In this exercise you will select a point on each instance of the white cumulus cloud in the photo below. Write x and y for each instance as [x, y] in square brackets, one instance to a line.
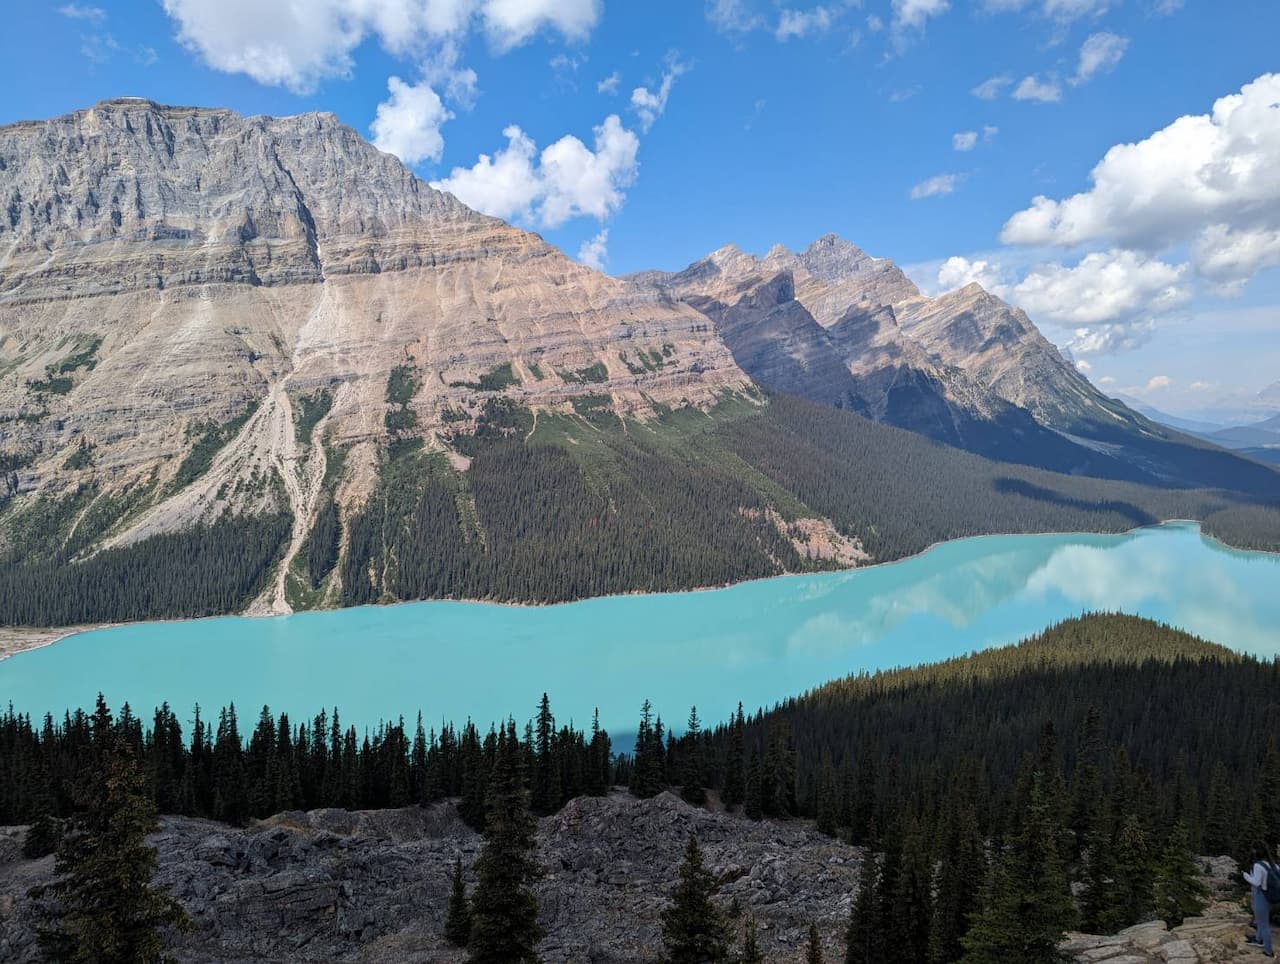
[566, 180]
[408, 123]
[964, 140]
[1208, 180]
[1203, 168]
[510, 23]
[594, 252]
[648, 104]
[1108, 301]
[296, 45]
[609, 85]
[1103, 287]
[957, 272]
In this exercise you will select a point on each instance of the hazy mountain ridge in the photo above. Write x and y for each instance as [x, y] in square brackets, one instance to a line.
[835, 325]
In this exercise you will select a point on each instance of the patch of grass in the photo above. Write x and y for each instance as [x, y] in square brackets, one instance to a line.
[536, 371]
[52, 384]
[399, 420]
[210, 439]
[12, 461]
[307, 413]
[592, 406]
[86, 357]
[593, 374]
[57, 377]
[500, 418]
[81, 458]
[402, 384]
[494, 380]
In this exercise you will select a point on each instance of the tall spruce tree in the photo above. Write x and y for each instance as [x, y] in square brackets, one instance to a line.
[1179, 890]
[735, 770]
[1219, 812]
[647, 776]
[457, 922]
[546, 778]
[691, 786]
[1129, 895]
[110, 912]
[863, 938]
[693, 929]
[826, 800]
[504, 912]
[1028, 904]
[962, 872]
[913, 897]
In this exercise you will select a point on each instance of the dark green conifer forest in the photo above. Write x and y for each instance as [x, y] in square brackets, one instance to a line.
[585, 505]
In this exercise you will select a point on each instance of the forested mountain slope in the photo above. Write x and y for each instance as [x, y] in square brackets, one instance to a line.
[582, 505]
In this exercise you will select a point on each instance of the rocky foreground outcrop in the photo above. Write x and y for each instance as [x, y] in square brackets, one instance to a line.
[1214, 937]
[373, 887]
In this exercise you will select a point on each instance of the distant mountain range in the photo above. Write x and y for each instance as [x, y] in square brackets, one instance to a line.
[207, 318]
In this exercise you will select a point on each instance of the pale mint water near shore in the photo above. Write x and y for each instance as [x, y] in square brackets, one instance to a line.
[757, 642]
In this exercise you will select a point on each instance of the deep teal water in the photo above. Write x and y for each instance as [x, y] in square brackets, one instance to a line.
[756, 642]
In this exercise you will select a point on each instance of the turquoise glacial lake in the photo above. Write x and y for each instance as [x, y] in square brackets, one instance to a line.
[756, 642]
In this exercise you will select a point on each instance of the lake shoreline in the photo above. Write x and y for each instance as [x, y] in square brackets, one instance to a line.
[20, 639]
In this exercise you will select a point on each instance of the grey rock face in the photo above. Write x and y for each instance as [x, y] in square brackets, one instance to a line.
[336, 886]
[162, 268]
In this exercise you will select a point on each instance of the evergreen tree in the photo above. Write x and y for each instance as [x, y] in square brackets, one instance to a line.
[110, 912]
[913, 897]
[546, 780]
[1097, 872]
[1179, 890]
[693, 930]
[1028, 905]
[457, 922]
[826, 804]
[504, 913]
[1130, 898]
[596, 778]
[43, 836]
[813, 950]
[961, 873]
[735, 772]
[691, 788]
[750, 952]
[863, 937]
[647, 777]
[1219, 813]
[753, 800]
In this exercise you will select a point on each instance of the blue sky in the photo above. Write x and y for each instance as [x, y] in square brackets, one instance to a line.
[759, 122]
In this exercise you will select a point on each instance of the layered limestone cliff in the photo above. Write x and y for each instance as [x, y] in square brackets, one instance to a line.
[172, 275]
